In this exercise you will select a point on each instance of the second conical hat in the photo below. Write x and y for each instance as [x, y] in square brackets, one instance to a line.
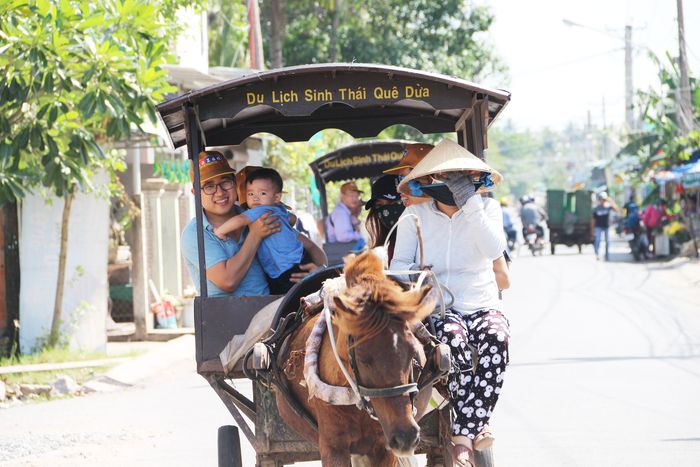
[449, 156]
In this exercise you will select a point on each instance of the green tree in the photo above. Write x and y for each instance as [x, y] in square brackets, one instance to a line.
[75, 76]
[228, 34]
[437, 36]
[661, 142]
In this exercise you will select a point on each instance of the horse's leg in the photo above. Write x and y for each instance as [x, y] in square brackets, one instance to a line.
[382, 457]
[333, 455]
[334, 435]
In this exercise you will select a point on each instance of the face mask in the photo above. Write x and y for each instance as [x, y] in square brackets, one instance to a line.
[389, 215]
[439, 192]
[416, 188]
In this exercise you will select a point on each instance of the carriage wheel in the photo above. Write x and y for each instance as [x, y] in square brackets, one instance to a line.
[229, 446]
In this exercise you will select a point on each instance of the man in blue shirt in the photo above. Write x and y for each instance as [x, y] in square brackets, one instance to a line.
[232, 267]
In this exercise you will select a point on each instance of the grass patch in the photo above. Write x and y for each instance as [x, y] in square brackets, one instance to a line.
[59, 355]
[80, 375]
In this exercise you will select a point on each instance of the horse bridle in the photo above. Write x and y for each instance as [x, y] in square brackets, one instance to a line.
[410, 389]
[436, 366]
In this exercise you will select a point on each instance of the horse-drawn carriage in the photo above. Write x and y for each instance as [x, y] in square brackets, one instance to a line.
[295, 103]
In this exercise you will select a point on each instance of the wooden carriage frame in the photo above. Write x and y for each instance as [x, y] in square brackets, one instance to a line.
[295, 103]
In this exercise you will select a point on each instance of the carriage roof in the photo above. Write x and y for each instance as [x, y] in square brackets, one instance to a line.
[361, 99]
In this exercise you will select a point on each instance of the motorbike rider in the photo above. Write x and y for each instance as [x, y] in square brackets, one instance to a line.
[632, 225]
[532, 214]
[508, 226]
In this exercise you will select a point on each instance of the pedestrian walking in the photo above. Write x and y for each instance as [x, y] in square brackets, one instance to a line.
[601, 222]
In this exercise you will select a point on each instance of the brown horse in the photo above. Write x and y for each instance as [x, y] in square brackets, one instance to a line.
[379, 317]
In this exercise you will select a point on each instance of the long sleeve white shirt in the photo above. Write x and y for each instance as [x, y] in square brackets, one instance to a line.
[460, 250]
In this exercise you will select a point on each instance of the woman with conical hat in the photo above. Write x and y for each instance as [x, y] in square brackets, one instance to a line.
[462, 238]
[413, 153]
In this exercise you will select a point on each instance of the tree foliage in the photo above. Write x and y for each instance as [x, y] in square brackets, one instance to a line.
[228, 34]
[661, 142]
[446, 37]
[74, 76]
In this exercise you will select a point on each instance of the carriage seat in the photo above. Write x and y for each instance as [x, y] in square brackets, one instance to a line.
[311, 283]
[268, 317]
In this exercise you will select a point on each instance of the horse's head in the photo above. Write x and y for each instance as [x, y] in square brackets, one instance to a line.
[379, 316]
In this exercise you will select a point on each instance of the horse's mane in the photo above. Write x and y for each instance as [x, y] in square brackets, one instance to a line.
[371, 299]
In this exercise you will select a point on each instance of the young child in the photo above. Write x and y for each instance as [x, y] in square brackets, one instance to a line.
[281, 253]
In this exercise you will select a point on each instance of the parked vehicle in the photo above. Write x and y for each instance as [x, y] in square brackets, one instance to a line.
[569, 218]
[632, 232]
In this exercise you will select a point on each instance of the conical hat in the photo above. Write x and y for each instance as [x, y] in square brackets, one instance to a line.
[449, 156]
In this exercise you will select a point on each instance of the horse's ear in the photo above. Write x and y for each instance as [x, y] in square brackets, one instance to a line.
[341, 308]
[422, 301]
[347, 259]
[366, 264]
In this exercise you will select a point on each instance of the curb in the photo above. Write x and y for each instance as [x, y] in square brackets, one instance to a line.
[137, 369]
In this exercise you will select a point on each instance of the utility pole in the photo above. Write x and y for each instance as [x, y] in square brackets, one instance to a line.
[684, 104]
[629, 87]
[604, 134]
[255, 47]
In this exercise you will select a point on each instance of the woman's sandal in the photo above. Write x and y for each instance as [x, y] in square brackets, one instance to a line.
[484, 439]
[462, 456]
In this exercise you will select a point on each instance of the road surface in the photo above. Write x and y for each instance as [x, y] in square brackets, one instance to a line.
[605, 371]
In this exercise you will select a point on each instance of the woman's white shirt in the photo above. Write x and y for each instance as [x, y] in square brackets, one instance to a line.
[460, 250]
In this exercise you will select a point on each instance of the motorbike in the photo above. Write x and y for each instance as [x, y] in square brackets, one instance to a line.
[639, 247]
[534, 239]
[511, 238]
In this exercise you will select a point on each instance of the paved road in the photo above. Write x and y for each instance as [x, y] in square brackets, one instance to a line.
[605, 366]
[605, 371]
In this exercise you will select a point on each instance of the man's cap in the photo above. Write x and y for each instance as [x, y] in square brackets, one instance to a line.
[384, 188]
[211, 164]
[412, 154]
[348, 187]
[449, 156]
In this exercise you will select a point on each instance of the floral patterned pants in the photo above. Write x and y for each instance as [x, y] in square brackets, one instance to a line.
[474, 388]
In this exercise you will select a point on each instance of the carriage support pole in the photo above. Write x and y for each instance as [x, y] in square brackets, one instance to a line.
[240, 421]
[194, 146]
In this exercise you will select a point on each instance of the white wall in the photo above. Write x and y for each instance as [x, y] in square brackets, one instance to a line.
[86, 287]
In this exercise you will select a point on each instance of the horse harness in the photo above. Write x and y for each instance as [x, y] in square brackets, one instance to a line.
[437, 365]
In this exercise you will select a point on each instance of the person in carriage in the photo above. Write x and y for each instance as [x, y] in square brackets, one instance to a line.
[384, 209]
[231, 262]
[462, 235]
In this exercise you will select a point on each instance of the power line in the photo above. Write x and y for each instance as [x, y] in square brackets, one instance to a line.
[572, 62]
